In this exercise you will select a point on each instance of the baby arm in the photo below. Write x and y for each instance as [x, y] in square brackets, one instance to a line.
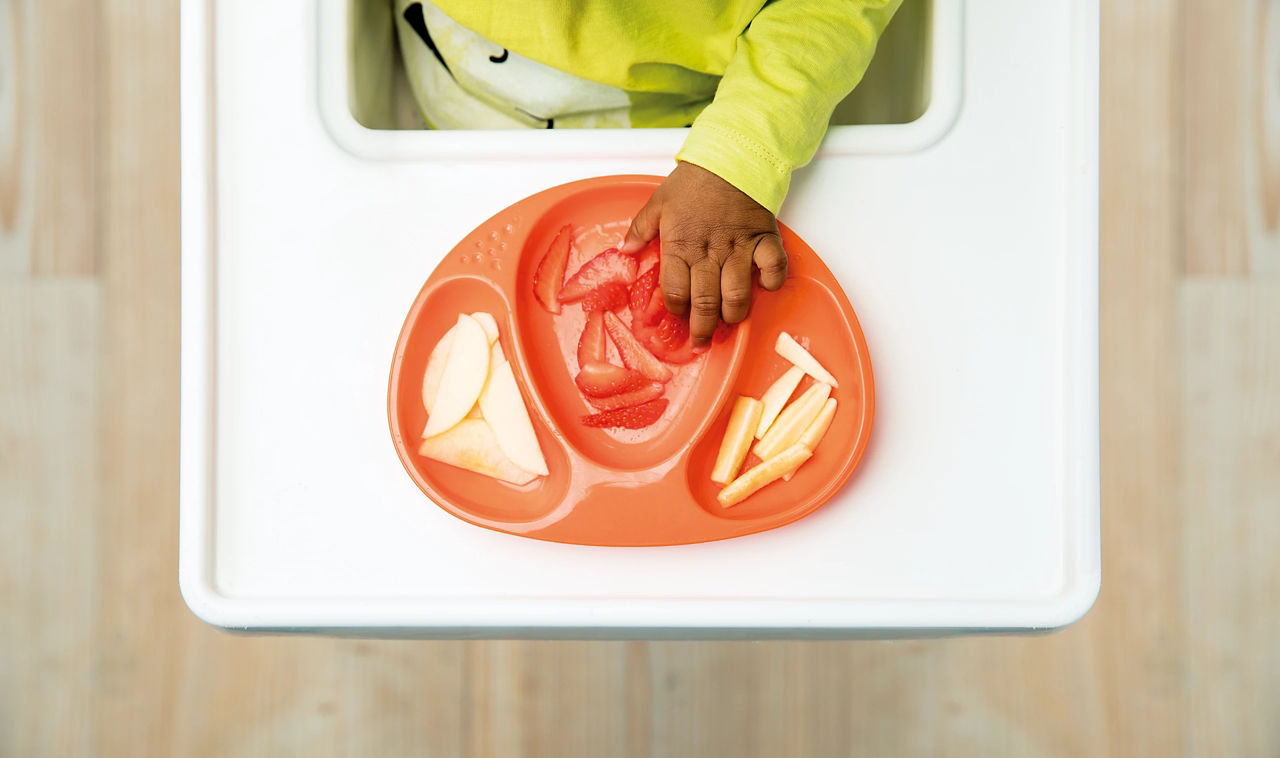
[716, 212]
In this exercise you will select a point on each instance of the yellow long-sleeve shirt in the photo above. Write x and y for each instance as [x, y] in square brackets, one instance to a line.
[757, 80]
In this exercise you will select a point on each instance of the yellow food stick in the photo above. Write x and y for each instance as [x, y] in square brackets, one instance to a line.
[737, 438]
[793, 420]
[761, 475]
[815, 431]
[776, 397]
[788, 348]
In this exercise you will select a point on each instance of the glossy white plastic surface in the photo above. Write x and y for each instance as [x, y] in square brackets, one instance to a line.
[966, 241]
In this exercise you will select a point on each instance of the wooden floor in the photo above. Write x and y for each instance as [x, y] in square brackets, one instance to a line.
[1180, 657]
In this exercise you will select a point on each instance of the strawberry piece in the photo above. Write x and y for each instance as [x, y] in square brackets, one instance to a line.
[591, 345]
[649, 255]
[654, 311]
[683, 354]
[672, 332]
[643, 289]
[598, 379]
[650, 391]
[609, 266]
[637, 417]
[606, 297]
[634, 354]
[669, 340]
[549, 277]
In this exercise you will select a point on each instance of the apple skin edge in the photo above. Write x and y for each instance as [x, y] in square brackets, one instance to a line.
[463, 378]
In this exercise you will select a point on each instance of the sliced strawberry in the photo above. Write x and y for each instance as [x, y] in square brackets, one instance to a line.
[650, 391]
[634, 354]
[656, 309]
[649, 255]
[549, 276]
[671, 332]
[669, 340]
[643, 289]
[598, 379]
[606, 297]
[609, 266]
[591, 346]
[629, 418]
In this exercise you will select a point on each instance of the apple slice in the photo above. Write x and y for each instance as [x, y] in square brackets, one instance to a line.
[505, 411]
[488, 323]
[788, 348]
[463, 378]
[496, 358]
[737, 439]
[470, 444]
[435, 369]
[792, 422]
[777, 396]
[440, 355]
[759, 476]
[816, 430]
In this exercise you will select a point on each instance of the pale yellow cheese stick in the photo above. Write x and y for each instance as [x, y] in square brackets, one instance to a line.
[757, 477]
[788, 348]
[737, 438]
[793, 420]
[776, 397]
[815, 431]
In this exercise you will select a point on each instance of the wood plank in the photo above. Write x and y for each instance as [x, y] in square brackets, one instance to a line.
[118, 666]
[49, 412]
[140, 658]
[1136, 633]
[1231, 508]
[1232, 131]
[17, 159]
[555, 699]
[1263, 102]
[1217, 130]
[48, 112]
[399, 698]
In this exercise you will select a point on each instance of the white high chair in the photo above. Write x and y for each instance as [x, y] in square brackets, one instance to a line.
[955, 199]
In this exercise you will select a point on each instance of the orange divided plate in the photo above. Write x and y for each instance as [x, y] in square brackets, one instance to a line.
[624, 488]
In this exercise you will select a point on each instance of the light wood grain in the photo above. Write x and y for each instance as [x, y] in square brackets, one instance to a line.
[49, 410]
[48, 136]
[140, 657]
[1231, 515]
[1137, 634]
[99, 657]
[1231, 117]
[17, 164]
[1263, 164]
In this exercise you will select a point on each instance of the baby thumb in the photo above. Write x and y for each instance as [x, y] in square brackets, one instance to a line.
[644, 227]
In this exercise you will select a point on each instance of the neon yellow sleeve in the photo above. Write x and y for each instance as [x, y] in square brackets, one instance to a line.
[795, 62]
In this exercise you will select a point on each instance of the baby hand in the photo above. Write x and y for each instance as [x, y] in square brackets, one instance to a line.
[711, 234]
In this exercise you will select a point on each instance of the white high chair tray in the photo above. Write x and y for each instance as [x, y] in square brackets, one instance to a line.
[966, 241]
